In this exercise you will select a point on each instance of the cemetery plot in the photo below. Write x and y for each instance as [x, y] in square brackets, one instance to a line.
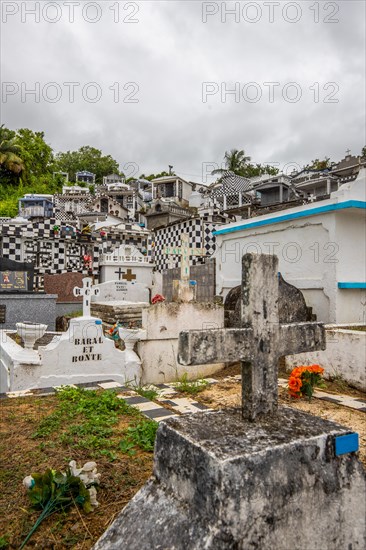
[48, 432]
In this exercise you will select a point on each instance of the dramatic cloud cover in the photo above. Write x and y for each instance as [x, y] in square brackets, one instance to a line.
[149, 81]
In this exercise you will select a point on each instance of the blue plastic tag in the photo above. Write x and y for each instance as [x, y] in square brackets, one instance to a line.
[346, 444]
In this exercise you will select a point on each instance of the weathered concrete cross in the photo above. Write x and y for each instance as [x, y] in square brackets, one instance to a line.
[86, 292]
[260, 342]
[184, 251]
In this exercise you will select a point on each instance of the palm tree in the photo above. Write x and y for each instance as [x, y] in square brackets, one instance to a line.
[9, 153]
[235, 161]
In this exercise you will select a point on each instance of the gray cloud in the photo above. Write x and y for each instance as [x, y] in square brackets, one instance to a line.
[169, 53]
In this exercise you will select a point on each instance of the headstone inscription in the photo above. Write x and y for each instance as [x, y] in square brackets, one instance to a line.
[260, 342]
[182, 289]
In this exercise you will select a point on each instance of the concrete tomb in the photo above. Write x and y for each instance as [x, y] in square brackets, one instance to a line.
[81, 354]
[17, 296]
[260, 477]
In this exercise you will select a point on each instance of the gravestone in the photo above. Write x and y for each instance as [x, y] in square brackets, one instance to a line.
[257, 477]
[292, 307]
[18, 302]
[184, 290]
[122, 291]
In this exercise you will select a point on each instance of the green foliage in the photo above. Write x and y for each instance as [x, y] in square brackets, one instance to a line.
[142, 434]
[147, 392]
[194, 387]
[86, 158]
[319, 164]
[84, 419]
[4, 541]
[236, 161]
[53, 491]
[363, 152]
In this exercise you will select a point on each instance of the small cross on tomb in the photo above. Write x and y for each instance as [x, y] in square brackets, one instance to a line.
[128, 276]
[260, 342]
[184, 251]
[86, 292]
[119, 272]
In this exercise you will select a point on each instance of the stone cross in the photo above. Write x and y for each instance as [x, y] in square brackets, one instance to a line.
[86, 292]
[260, 342]
[184, 251]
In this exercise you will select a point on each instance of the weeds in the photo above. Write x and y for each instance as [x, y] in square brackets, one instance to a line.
[147, 392]
[84, 419]
[141, 435]
[194, 387]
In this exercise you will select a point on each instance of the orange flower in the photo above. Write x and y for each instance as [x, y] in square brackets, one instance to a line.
[295, 383]
[316, 368]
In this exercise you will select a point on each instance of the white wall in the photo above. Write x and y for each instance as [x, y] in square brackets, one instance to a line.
[301, 247]
[163, 322]
[345, 356]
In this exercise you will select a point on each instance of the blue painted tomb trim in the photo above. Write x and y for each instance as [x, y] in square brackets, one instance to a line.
[351, 285]
[293, 216]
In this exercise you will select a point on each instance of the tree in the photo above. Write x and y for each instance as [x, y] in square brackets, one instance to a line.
[237, 162]
[363, 152]
[10, 160]
[86, 158]
[319, 164]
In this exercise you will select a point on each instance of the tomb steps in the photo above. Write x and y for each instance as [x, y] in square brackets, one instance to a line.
[125, 313]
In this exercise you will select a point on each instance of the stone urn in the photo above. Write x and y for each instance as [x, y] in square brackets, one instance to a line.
[131, 335]
[30, 332]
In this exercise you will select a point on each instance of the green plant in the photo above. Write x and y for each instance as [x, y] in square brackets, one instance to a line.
[147, 392]
[4, 541]
[191, 387]
[127, 447]
[84, 419]
[53, 491]
[142, 434]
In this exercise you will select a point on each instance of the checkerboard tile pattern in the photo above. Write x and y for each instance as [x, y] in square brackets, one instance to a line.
[169, 405]
[200, 236]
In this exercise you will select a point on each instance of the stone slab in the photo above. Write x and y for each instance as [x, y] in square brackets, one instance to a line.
[63, 285]
[241, 485]
[122, 291]
[36, 308]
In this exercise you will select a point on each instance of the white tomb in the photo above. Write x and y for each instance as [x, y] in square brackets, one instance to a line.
[126, 264]
[321, 251]
[79, 355]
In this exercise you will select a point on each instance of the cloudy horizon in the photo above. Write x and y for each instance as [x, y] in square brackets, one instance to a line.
[166, 82]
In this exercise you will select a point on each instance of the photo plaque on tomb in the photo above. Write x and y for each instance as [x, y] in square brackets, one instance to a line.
[16, 277]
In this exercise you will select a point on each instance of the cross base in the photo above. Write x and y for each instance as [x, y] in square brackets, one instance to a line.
[244, 485]
[183, 291]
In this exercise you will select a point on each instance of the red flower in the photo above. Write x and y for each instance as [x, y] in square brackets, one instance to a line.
[157, 298]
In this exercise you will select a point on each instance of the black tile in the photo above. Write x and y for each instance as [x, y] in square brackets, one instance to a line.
[3, 396]
[200, 406]
[157, 413]
[331, 399]
[136, 400]
[168, 402]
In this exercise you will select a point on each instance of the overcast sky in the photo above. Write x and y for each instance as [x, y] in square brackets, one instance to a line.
[162, 70]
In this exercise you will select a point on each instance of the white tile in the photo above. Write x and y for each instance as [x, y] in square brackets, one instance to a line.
[146, 406]
[110, 385]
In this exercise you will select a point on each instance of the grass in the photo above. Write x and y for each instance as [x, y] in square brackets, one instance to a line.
[192, 388]
[76, 424]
